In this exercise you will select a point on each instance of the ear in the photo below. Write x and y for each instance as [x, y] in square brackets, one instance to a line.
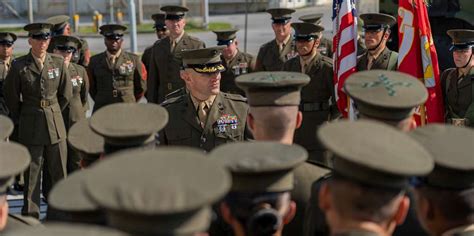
[324, 198]
[402, 210]
[29, 41]
[251, 122]
[185, 76]
[299, 119]
[225, 213]
[290, 214]
[317, 42]
[236, 43]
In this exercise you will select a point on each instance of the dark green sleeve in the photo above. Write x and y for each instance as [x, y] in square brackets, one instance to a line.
[12, 92]
[64, 93]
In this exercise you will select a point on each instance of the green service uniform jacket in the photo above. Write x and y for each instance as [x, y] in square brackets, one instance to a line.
[146, 56]
[226, 122]
[269, 57]
[458, 95]
[387, 60]
[242, 63]
[78, 106]
[123, 82]
[3, 75]
[317, 102]
[165, 65]
[36, 98]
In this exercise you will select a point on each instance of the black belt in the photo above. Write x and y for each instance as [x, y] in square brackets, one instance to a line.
[41, 103]
[314, 106]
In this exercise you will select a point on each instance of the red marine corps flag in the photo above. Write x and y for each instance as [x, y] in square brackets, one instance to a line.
[345, 50]
[417, 57]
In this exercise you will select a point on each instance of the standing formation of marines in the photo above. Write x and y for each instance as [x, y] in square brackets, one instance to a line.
[230, 143]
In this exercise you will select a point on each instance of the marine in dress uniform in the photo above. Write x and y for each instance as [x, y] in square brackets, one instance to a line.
[387, 96]
[129, 125]
[458, 83]
[170, 191]
[61, 26]
[274, 99]
[235, 62]
[88, 144]
[115, 75]
[377, 31]
[371, 175]
[76, 110]
[444, 197]
[161, 32]
[325, 46]
[273, 54]
[204, 117]
[37, 89]
[165, 60]
[7, 40]
[260, 200]
[317, 98]
[14, 158]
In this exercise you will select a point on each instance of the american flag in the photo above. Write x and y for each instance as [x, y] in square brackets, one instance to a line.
[345, 49]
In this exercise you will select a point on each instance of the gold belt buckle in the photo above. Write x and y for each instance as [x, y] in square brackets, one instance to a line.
[43, 103]
[115, 93]
[458, 122]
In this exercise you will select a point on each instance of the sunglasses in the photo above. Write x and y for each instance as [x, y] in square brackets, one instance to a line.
[67, 49]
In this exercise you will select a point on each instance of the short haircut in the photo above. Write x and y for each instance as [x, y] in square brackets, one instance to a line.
[363, 202]
[454, 205]
[275, 121]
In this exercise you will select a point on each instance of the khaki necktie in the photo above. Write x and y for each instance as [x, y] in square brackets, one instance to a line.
[370, 62]
[173, 45]
[202, 113]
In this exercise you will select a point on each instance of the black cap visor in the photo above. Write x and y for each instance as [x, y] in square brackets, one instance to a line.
[461, 46]
[207, 68]
[373, 28]
[283, 20]
[305, 37]
[224, 42]
[6, 43]
[174, 16]
[41, 36]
